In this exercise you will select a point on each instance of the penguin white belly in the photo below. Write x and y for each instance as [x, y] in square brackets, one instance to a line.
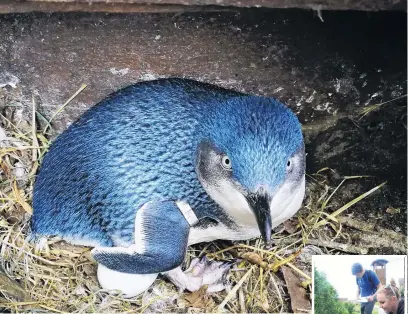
[131, 285]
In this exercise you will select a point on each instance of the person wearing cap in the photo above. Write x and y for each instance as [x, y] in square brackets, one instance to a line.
[368, 286]
[390, 301]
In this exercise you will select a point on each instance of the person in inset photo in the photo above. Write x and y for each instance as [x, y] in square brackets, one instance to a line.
[368, 285]
[390, 300]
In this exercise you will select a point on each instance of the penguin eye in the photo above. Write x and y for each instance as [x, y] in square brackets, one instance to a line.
[226, 162]
[289, 165]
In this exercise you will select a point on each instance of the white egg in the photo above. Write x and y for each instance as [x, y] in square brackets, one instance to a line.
[131, 285]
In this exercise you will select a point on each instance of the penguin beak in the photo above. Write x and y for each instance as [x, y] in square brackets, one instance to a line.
[260, 205]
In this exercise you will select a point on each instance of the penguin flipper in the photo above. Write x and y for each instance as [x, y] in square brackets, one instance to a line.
[161, 238]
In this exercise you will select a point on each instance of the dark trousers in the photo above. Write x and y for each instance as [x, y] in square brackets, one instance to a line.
[367, 307]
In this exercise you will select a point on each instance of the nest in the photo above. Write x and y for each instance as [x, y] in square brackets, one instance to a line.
[63, 278]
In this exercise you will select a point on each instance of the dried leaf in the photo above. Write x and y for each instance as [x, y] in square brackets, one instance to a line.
[255, 258]
[298, 296]
[15, 215]
[5, 169]
[199, 299]
[291, 225]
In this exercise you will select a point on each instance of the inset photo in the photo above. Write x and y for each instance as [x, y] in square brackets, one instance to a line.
[359, 284]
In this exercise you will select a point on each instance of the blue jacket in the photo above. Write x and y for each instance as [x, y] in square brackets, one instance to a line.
[368, 283]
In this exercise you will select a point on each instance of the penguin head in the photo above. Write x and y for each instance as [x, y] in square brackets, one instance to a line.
[251, 160]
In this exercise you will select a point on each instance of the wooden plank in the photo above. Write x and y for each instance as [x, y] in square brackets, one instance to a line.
[155, 6]
[98, 6]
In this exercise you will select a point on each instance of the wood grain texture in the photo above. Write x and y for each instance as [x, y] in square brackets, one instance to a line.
[126, 6]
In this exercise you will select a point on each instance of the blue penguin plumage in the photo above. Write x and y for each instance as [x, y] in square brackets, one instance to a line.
[235, 160]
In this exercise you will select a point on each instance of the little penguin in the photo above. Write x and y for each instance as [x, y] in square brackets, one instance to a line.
[163, 164]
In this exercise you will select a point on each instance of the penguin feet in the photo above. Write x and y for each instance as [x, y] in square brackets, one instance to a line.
[201, 272]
